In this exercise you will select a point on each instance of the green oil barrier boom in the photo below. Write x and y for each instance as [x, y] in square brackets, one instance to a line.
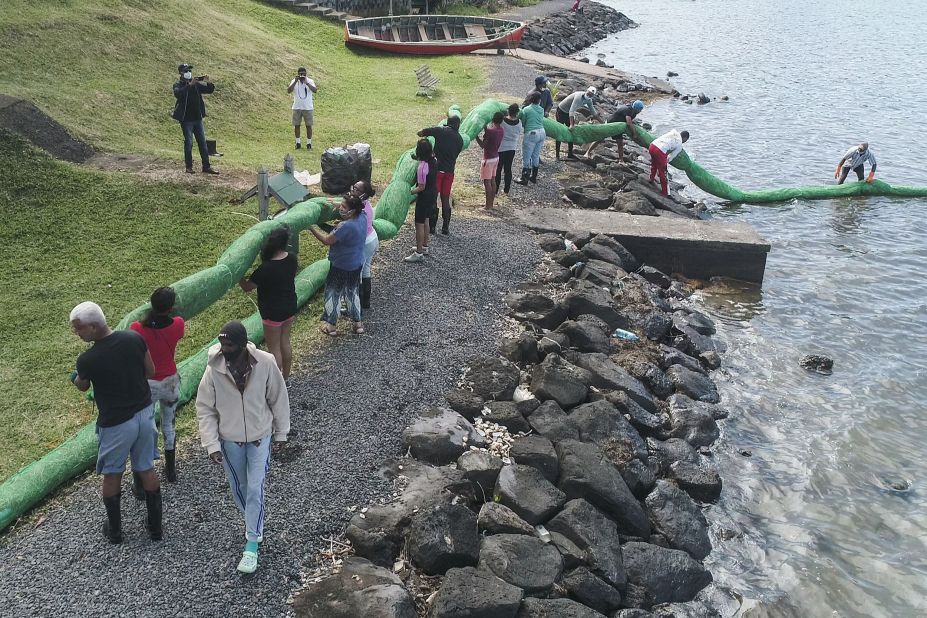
[200, 290]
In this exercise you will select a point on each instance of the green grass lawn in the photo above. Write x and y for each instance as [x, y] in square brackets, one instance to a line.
[104, 69]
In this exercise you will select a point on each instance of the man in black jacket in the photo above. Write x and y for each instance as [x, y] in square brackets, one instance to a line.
[189, 111]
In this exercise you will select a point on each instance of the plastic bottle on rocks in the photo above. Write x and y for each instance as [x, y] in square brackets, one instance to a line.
[570, 245]
[624, 334]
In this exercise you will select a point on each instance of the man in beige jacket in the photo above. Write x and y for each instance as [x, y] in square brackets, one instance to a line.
[243, 406]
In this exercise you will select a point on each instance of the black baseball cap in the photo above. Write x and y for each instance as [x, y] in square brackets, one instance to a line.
[183, 68]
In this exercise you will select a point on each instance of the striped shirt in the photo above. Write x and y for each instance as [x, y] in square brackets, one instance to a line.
[854, 158]
[573, 102]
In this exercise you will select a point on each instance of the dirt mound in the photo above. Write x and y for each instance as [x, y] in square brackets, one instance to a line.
[25, 119]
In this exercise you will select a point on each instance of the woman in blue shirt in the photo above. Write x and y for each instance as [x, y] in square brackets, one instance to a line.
[346, 254]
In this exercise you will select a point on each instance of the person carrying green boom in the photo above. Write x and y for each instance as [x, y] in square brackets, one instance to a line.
[854, 160]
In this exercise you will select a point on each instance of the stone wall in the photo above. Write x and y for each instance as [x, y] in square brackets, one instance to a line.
[568, 33]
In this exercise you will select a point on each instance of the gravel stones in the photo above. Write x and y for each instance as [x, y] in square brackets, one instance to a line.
[668, 575]
[679, 520]
[492, 377]
[444, 537]
[472, 593]
[531, 496]
[360, 589]
[538, 452]
[523, 561]
[496, 518]
[439, 436]
[585, 472]
[595, 534]
[559, 380]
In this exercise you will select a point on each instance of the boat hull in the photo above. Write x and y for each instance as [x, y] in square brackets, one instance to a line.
[509, 38]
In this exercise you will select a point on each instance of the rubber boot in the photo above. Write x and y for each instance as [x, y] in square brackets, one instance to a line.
[446, 217]
[365, 293]
[153, 502]
[524, 176]
[534, 175]
[137, 490]
[433, 220]
[112, 527]
[170, 466]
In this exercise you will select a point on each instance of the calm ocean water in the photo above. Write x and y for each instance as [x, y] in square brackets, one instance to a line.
[808, 524]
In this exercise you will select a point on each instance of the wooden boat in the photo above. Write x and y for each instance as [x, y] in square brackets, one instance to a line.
[432, 34]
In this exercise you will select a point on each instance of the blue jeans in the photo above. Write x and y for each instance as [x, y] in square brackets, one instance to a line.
[531, 148]
[246, 467]
[166, 393]
[191, 129]
[370, 247]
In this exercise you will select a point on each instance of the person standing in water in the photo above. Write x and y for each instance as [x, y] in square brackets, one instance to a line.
[854, 159]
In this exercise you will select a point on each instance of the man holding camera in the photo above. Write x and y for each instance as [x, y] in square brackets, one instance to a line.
[302, 88]
[189, 111]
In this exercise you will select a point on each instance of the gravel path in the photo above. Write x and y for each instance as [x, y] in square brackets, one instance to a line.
[427, 320]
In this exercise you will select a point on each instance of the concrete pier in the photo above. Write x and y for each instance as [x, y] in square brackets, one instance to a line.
[692, 247]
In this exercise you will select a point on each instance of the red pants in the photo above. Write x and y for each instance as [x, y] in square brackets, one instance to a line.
[658, 165]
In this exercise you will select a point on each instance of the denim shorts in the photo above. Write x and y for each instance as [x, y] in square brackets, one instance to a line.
[136, 437]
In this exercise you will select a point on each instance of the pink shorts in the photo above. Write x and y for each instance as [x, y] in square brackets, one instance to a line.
[276, 324]
[488, 168]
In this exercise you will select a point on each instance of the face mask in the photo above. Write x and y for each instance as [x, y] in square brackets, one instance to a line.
[188, 75]
[231, 357]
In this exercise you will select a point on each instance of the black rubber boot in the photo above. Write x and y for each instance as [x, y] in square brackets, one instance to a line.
[170, 466]
[433, 220]
[137, 490]
[365, 293]
[524, 177]
[534, 175]
[112, 527]
[446, 217]
[153, 502]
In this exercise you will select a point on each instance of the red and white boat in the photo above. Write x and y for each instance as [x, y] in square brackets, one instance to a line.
[432, 34]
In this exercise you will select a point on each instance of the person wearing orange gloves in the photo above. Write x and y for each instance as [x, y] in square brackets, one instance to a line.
[854, 160]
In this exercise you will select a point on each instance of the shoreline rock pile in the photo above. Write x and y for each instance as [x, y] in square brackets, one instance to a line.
[598, 510]
[567, 33]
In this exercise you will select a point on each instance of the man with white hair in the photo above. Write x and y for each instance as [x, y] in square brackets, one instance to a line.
[118, 367]
[854, 159]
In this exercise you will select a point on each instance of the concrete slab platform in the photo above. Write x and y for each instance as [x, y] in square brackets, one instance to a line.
[692, 247]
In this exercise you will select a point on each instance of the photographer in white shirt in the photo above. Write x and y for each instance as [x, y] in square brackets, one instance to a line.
[302, 88]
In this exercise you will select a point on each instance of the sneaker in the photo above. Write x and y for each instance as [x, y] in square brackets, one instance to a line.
[260, 538]
[211, 170]
[415, 248]
[190, 170]
[248, 562]
[298, 145]
[309, 145]
[414, 257]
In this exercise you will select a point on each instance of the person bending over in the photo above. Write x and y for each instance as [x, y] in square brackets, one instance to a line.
[663, 150]
[625, 114]
[854, 160]
[568, 113]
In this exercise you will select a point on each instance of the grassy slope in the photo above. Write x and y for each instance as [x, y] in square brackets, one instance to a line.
[71, 234]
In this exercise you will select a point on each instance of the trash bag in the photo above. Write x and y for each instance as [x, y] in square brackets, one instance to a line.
[342, 166]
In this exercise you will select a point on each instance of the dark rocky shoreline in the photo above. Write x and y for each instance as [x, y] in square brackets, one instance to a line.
[566, 475]
[567, 33]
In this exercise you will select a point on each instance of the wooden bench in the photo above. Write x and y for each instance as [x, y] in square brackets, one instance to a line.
[427, 83]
